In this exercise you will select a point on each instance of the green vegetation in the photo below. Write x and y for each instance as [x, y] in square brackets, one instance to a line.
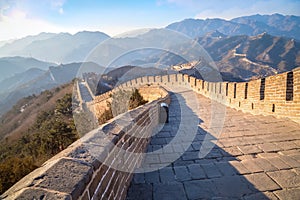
[52, 131]
[122, 101]
[39, 127]
[106, 115]
[136, 100]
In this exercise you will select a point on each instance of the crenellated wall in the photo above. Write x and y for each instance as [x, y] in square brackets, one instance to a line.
[149, 93]
[84, 170]
[277, 95]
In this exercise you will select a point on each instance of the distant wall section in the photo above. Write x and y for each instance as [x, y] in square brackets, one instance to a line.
[277, 95]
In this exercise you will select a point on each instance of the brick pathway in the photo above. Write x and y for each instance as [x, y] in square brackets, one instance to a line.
[255, 157]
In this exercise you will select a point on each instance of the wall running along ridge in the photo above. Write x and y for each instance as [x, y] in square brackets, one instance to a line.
[277, 95]
[75, 173]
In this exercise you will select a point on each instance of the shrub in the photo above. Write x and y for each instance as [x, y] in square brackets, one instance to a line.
[122, 101]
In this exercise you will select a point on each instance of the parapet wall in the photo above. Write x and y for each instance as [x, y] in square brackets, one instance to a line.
[277, 95]
[95, 166]
[149, 93]
[90, 167]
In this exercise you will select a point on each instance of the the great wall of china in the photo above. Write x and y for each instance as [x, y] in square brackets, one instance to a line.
[277, 95]
[76, 173]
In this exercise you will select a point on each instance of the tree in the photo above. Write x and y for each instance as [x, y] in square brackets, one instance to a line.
[122, 101]
[136, 100]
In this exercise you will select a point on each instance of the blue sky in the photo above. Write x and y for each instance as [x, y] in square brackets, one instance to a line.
[19, 18]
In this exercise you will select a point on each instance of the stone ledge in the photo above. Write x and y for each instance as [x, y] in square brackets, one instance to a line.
[68, 175]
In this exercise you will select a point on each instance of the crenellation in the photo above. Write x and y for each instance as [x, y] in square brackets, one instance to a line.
[186, 79]
[193, 82]
[267, 96]
[173, 78]
[165, 79]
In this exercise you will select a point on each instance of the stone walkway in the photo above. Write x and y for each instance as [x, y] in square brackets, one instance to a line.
[253, 157]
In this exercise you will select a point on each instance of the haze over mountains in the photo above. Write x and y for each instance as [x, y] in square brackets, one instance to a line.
[34, 81]
[243, 48]
[249, 57]
[12, 65]
[276, 24]
[57, 48]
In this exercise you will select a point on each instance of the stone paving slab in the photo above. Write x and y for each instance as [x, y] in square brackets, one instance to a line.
[254, 157]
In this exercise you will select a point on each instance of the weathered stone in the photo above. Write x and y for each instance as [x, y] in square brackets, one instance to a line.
[251, 149]
[286, 178]
[288, 194]
[232, 187]
[152, 177]
[262, 182]
[290, 161]
[200, 189]
[66, 176]
[251, 166]
[269, 147]
[181, 173]
[261, 196]
[232, 151]
[169, 191]
[264, 164]
[139, 191]
[211, 170]
[239, 167]
[194, 155]
[138, 178]
[168, 158]
[196, 171]
[151, 158]
[37, 193]
[226, 169]
[166, 175]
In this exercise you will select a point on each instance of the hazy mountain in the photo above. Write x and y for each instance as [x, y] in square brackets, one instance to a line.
[17, 45]
[238, 57]
[236, 47]
[249, 57]
[58, 48]
[54, 76]
[198, 27]
[10, 66]
[276, 24]
[19, 79]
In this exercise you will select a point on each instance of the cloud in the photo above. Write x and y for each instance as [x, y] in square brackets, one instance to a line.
[18, 25]
[61, 11]
[19, 18]
[58, 5]
[5, 6]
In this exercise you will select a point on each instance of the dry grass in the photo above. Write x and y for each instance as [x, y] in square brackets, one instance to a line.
[15, 123]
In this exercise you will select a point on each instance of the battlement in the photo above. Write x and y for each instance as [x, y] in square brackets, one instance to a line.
[77, 171]
[277, 95]
[149, 93]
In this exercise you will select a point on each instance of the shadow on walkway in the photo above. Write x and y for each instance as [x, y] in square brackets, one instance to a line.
[182, 174]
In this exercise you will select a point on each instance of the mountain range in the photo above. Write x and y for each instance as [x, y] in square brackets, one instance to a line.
[57, 48]
[34, 81]
[10, 66]
[249, 57]
[276, 24]
[243, 48]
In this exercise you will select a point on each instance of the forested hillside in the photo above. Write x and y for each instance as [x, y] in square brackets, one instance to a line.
[37, 128]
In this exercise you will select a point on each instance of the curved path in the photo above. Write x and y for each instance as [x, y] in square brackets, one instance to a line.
[250, 157]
